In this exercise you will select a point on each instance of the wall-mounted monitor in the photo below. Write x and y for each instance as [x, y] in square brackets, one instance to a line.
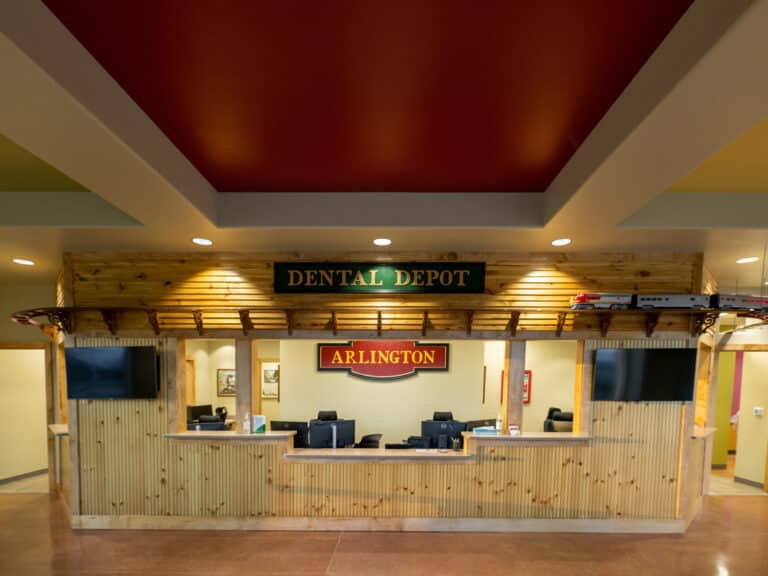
[655, 374]
[113, 372]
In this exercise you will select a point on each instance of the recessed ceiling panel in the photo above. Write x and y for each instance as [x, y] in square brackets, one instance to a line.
[373, 95]
[21, 170]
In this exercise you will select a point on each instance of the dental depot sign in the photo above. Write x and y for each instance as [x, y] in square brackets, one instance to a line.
[382, 360]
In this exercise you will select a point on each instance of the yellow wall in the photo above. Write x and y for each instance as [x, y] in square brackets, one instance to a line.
[753, 430]
[210, 356]
[23, 434]
[723, 401]
[394, 408]
[494, 364]
[269, 349]
[553, 371]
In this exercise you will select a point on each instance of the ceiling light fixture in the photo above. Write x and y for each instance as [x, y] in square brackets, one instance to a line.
[561, 242]
[382, 241]
[23, 262]
[202, 241]
[748, 260]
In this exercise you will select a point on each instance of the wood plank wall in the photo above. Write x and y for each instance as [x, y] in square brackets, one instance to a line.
[128, 468]
[245, 281]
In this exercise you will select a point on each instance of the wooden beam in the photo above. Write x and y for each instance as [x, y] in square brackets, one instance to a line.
[561, 317]
[245, 321]
[176, 382]
[512, 401]
[289, 321]
[425, 323]
[244, 380]
[582, 405]
[152, 317]
[198, 316]
[110, 319]
[256, 406]
[514, 319]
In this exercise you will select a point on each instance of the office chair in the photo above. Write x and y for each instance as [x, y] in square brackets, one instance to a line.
[369, 441]
[442, 416]
[327, 415]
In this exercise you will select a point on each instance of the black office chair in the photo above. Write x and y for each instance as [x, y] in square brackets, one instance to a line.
[442, 416]
[327, 415]
[221, 412]
[369, 441]
[558, 421]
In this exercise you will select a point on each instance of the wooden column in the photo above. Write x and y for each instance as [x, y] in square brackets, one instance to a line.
[74, 455]
[512, 400]
[176, 380]
[244, 379]
[582, 399]
[255, 379]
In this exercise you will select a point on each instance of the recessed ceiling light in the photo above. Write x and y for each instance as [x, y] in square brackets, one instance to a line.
[202, 241]
[23, 262]
[747, 260]
[561, 242]
[382, 241]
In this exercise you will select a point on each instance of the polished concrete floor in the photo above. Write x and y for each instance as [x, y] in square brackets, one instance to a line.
[37, 484]
[722, 483]
[729, 538]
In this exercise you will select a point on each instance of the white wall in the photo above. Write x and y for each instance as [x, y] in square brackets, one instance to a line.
[553, 379]
[23, 428]
[15, 297]
[394, 408]
[753, 430]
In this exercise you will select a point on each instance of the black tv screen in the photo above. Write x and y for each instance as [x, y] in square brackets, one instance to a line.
[645, 375]
[112, 372]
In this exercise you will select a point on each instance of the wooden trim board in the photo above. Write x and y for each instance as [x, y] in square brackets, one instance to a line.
[377, 524]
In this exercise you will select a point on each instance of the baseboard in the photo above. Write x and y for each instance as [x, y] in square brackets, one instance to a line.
[719, 466]
[379, 524]
[23, 476]
[749, 482]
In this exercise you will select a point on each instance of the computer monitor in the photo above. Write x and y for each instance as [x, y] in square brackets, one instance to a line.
[301, 439]
[194, 412]
[440, 432]
[321, 433]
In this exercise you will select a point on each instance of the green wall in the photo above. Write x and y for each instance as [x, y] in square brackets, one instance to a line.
[723, 400]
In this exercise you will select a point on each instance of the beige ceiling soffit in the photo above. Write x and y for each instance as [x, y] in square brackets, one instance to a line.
[671, 116]
[702, 210]
[61, 209]
[391, 209]
[58, 103]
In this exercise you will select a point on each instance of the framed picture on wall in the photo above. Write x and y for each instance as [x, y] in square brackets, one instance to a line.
[269, 373]
[526, 386]
[226, 384]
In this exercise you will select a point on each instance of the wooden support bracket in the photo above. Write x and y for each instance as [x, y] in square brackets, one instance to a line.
[289, 321]
[651, 321]
[63, 319]
[514, 319]
[561, 317]
[470, 318]
[245, 321]
[110, 319]
[152, 317]
[198, 316]
[700, 323]
[605, 322]
[378, 323]
[332, 324]
[425, 323]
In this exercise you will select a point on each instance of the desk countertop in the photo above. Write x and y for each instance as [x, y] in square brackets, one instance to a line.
[59, 429]
[527, 439]
[230, 435]
[367, 455]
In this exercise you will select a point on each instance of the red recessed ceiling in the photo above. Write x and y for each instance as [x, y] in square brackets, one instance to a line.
[373, 95]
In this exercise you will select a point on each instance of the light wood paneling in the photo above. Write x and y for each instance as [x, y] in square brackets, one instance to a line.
[524, 281]
[128, 468]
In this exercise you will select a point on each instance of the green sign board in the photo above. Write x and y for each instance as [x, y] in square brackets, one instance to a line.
[364, 278]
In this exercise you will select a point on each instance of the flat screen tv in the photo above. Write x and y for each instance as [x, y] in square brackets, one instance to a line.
[645, 375]
[112, 372]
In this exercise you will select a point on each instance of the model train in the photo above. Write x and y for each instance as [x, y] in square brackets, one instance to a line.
[617, 301]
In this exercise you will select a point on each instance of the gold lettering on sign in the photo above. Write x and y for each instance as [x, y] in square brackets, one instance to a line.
[326, 277]
[429, 356]
[462, 277]
[344, 277]
[432, 277]
[359, 280]
[403, 278]
[336, 358]
[418, 278]
[295, 277]
[311, 278]
[373, 279]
